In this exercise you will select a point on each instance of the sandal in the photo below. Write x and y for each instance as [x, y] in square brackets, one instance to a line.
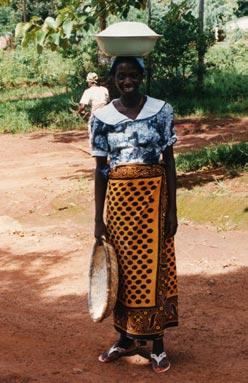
[160, 363]
[114, 353]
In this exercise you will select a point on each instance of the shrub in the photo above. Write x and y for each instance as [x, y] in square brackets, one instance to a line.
[24, 66]
[8, 19]
[225, 86]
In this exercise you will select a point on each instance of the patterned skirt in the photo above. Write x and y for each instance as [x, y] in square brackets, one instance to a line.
[136, 216]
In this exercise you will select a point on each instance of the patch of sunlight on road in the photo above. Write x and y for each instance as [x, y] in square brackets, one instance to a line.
[55, 256]
[225, 211]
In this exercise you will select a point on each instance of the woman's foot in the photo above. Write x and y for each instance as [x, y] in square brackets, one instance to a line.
[123, 347]
[159, 358]
[160, 363]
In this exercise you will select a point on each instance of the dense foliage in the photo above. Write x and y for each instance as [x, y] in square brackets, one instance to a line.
[20, 67]
[174, 58]
[8, 20]
[218, 12]
[242, 8]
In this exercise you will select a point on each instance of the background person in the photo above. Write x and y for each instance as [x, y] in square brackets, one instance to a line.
[96, 96]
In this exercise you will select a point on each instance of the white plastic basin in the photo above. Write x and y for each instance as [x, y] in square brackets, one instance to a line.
[127, 39]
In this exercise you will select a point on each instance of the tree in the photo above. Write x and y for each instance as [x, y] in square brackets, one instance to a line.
[149, 66]
[174, 57]
[29, 8]
[8, 19]
[15, 11]
[70, 22]
[219, 12]
[212, 14]
[216, 12]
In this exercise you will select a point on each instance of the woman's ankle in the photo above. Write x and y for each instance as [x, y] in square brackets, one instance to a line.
[158, 346]
[125, 342]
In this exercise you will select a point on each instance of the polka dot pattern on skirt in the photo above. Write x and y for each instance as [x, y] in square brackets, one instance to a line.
[132, 217]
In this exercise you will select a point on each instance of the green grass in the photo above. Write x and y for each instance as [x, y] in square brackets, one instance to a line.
[29, 108]
[214, 106]
[225, 94]
[33, 91]
[29, 92]
[226, 155]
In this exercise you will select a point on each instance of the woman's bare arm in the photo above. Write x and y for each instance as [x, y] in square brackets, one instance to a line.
[100, 194]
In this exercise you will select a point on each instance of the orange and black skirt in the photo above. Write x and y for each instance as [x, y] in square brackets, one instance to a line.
[136, 217]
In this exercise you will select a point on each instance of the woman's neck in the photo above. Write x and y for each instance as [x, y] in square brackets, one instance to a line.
[131, 110]
[131, 101]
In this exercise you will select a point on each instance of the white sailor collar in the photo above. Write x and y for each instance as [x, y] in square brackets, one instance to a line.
[111, 116]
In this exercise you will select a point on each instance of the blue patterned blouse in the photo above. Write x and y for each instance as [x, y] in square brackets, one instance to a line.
[124, 140]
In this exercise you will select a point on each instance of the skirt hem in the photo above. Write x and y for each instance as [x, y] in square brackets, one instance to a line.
[144, 336]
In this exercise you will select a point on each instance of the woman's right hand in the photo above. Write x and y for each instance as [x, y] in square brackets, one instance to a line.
[100, 231]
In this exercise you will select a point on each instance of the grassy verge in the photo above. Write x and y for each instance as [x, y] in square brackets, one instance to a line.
[30, 108]
[204, 199]
[30, 92]
[210, 106]
[227, 155]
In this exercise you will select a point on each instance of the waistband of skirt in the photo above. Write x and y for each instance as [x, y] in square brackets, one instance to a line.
[137, 170]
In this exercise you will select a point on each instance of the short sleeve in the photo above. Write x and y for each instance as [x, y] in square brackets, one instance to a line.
[106, 95]
[168, 133]
[98, 136]
[85, 99]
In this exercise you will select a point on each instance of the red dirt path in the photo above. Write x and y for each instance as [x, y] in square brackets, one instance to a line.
[46, 206]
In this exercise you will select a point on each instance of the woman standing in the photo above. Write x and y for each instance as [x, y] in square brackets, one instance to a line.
[129, 136]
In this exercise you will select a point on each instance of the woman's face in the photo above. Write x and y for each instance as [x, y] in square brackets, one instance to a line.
[128, 79]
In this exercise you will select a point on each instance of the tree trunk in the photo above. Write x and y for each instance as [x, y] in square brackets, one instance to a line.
[201, 48]
[24, 11]
[102, 21]
[103, 25]
[102, 14]
[149, 61]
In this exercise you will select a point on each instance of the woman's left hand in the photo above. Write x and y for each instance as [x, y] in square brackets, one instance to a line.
[171, 224]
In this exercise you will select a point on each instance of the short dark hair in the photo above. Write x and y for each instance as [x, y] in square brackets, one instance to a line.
[125, 59]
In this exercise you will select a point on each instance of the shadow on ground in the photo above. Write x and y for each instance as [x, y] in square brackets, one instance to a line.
[82, 173]
[184, 180]
[62, 137]
[199, 132]
[69, 137]
[52, 339]
[202, 177]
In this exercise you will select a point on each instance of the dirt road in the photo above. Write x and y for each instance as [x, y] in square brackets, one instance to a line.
[46, 205]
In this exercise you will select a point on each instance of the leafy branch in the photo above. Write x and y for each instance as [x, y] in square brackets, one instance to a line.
[71, 22]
